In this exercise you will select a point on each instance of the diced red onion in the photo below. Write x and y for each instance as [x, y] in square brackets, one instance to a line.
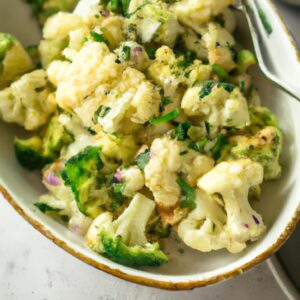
[118, 176]
[246, 225]
[255, 220]
[136, 52]
[52, 179]
[104, 13]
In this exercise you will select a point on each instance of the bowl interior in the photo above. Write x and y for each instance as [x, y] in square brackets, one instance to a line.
[277, 204]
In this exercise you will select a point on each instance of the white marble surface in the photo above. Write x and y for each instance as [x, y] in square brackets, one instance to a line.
[33, 268]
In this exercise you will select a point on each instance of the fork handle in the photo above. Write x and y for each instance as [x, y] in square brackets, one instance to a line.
[274, 50]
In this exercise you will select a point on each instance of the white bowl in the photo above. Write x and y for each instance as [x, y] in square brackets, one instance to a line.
[279, 204]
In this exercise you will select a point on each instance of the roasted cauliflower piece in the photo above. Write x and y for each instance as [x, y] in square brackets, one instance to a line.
[124, 240]
[29, 101]
[232, 181]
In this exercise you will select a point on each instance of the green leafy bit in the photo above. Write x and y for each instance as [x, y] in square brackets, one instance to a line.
[116, 195]
[265, 21]
[98, 37]
[181, 131]
[82, 174]
[220, 142]
[45, 208]
[126, 50]
[165, 118]
[164, 102]
[142, 159]
[220, 72]
[210, 84]
[151, 51]
[188, 194]
[101, 112]
[200, 145]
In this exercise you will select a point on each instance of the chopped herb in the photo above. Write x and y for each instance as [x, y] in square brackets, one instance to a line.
[151, 51]
[115, 193]
[126, 52]
[165, 118]
[181, 131]
[85, 39]
[206, 88]
[183, 152]
[101, 112]
[113, 5]
[164, 102]
[97, 37]
[229, 87]
[199, 146]
[44, 208]
[265, 21]
[125, 5]
[187, 58]
[91, 131]
[163, 231]
[207, 127]
[128, 15]
[220, 142]
[188, 194]
[220, 72]
[142, 159]
[97, 16]
[242, 87]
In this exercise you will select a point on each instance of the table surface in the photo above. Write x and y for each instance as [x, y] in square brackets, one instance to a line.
[32, 267]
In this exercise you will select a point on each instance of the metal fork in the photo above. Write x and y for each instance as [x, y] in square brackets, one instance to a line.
[250, 9]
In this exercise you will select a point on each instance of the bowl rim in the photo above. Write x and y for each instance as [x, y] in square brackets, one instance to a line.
[290, 227]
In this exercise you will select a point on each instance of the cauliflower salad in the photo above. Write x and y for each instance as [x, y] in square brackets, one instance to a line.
[143, 119]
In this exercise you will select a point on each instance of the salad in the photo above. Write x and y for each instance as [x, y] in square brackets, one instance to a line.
[143, 120]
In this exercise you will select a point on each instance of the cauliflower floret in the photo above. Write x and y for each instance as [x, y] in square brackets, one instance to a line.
[194, 165]
[194, 13]
[14, 60]
[113, 30]
[203, 229]
[232, 181]
[124, 240]
[172, 73]
[218, 104]
[92, 66]
[161, 171]
[133, 55]
[133, 180]
[195, 44]
[264, 147]
[155, 22]
[28, 101]
[134, 99]
[59, 25]
[88, 10]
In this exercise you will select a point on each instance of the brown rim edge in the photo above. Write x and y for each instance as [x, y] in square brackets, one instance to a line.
[151, 282]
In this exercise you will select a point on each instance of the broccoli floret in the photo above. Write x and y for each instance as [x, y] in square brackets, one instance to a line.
[29, 153]
[45, 8]
[124, 240]
[264, 147]
[245, 59]
[14, 60]
[37, 151]
[82, 174]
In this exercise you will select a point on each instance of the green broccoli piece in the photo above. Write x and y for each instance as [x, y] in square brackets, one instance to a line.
[29, 153]
[260, 117]
[82, 174]
[160, 230]
[37, 151]
[43, 9]
[263, 147]
[14, 60]
[124, 240]
[245, 59]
